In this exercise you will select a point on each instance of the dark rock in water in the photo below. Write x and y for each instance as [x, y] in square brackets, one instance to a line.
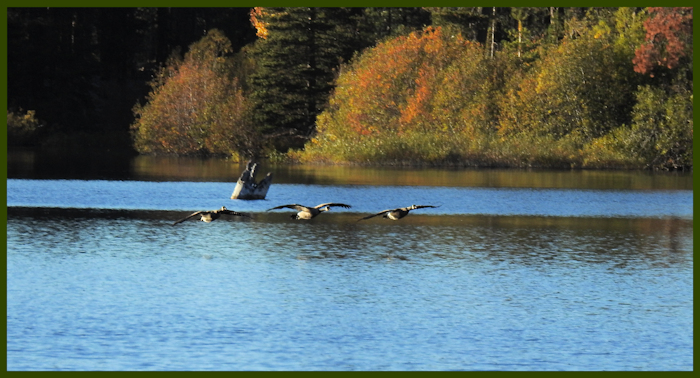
[247, 188]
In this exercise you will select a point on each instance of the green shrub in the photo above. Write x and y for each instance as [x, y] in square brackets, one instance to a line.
[662, 128]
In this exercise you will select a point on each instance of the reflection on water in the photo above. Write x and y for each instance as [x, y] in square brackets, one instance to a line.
[516, 270]
[28, 164]
[528, 239]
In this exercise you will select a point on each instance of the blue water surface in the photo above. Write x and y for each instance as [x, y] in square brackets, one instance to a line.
[504, 279]
[194, 196]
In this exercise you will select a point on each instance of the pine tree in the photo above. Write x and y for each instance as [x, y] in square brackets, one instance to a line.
[378, 23]
[291, 71]
[475, 23]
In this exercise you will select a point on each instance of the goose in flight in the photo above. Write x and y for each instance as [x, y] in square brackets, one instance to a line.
[396, 214]
[212, 215]
[306, 212]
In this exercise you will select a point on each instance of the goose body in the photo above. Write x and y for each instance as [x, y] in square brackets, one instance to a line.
[211, 215]
[396, 214]
[306, 212]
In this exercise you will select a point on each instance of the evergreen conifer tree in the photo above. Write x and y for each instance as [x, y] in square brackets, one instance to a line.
[294, 71]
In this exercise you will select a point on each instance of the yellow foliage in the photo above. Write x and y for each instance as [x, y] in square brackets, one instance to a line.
[195, 107]
[257, 16]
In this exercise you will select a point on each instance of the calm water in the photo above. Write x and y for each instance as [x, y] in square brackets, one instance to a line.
[514, 271]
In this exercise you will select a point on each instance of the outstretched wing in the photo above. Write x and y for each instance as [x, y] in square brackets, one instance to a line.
[231, 212]
[332, 204]
[292, 206]
[374, 215]
[188, 217]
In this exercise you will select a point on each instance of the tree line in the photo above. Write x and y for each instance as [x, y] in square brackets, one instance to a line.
[74, 74]
[565, 87]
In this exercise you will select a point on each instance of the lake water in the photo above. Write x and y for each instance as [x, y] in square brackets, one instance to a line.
[516, 270]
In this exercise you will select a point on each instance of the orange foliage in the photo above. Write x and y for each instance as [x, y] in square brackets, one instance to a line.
[193, 108]
[420, 96]
[257, 15]
[392, 87]
[429, 97]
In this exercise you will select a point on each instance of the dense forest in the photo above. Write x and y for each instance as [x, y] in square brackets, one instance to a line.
[496, 86]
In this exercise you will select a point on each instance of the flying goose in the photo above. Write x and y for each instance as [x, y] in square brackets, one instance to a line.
[212, 215]
[396, 214]
[306, 212]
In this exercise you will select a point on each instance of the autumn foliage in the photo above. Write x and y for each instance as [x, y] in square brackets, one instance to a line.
[578, 87]
[669, 37]
[257, 16]
[588, 99]
[433, 97]
[195, 106]
[402, 95]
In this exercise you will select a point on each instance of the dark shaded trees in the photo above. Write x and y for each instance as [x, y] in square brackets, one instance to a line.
[377, 23]
[82, 69]
[290, 73]
[51, 59]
